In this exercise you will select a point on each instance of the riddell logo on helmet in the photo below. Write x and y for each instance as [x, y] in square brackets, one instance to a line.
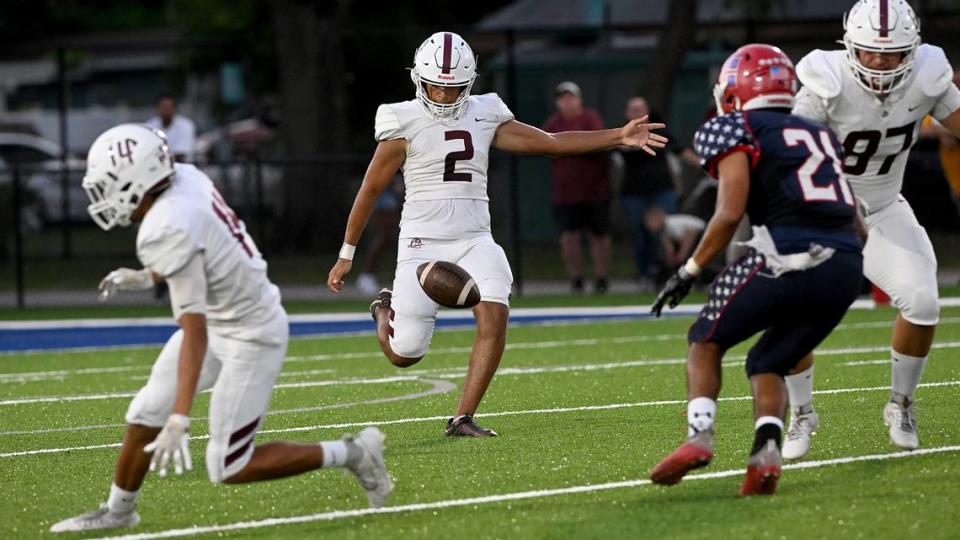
[447, 77]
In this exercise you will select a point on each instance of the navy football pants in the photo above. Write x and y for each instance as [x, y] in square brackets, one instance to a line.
[795, 311]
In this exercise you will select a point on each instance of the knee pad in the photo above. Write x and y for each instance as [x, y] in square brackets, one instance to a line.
[410, 335]
[149, 408]
[922, 307]
[410, 344]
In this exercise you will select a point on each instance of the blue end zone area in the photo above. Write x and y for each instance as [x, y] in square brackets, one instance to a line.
[104, 333]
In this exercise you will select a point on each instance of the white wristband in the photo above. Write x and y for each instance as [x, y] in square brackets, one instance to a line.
[692, 268]
[347, 251]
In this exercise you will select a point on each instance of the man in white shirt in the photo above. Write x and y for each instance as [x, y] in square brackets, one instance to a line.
[180, 131]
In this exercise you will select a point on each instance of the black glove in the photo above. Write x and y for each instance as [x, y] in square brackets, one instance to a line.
[677, 287]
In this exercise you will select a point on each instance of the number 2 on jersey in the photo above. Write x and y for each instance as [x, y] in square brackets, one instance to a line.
[230, 219]
[811, 191]
[450, 162]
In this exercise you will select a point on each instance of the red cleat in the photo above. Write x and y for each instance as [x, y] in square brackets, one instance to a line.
[763, 471]
[691, 455]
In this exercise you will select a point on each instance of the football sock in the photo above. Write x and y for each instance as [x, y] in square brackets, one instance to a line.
[121, 501]
[906, 373]
[340, 453]
[768, 427]
[701, 412]
[800, 390]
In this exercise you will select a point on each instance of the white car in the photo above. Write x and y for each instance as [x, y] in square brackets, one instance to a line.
[41, 166]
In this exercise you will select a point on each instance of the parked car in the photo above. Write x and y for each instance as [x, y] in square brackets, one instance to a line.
[40, 163]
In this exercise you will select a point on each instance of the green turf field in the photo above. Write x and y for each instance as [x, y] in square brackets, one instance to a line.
[584, 411]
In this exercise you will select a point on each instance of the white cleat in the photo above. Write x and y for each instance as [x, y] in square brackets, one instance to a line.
[101, 518]
[371, 472]
[898, 416]
[802, 428]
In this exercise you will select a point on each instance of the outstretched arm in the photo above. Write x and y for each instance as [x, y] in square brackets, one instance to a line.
[520, 138]
[383, 167]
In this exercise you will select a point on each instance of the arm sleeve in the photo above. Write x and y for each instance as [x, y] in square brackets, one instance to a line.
[721, 136]
[188, 288]
[948, 103]
[166, 251]
[502, 112]
[387, 124]
[809, 105]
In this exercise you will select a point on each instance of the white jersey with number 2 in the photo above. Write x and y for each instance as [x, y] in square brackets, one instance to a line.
[876, 133]
[445, 170]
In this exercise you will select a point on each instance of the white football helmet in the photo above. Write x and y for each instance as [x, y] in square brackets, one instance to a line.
[881, 26]
[444, 59]
[124, 164]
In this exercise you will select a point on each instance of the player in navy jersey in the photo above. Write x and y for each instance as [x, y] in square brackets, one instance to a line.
[803, 269]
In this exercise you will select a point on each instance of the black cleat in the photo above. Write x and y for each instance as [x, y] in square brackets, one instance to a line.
[464, 426]
[383, 299]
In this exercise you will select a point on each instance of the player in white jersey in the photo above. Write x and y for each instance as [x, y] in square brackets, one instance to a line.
[874, 95]
[442, 140]
[232, 339]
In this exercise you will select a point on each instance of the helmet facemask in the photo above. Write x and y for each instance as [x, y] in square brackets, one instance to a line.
[441, 111]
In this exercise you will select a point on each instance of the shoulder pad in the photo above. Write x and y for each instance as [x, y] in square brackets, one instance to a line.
[390, 121]
[722, 135]
[492, 102]
[820, 71]
[932, 70]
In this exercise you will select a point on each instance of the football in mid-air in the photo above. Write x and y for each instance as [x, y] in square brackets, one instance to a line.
[448, 285]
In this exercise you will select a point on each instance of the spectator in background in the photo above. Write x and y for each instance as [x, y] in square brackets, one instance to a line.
[386, 214]
[949, 148]
[180, 131]
[581, 191]
[678, 234]
[649, 185]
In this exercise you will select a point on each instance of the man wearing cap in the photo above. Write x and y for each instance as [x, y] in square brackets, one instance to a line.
[581, 191]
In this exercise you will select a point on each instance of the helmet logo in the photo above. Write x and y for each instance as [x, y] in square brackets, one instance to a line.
[123, 149]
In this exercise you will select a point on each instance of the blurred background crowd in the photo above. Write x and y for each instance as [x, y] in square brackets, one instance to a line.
[275, 102]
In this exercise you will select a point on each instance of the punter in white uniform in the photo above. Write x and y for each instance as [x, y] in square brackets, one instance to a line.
[874, 95]
[441, 140]
[233, 334]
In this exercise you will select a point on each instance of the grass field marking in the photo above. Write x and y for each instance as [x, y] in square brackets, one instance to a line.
[437, 387]
[878, 362]
[729, 361]
[412, 420]
[31, 376]
[116, 395]
[503, 497]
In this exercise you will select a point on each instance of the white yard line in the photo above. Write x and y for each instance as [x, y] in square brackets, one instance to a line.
[116, 395]
[503, 497]
[729, 361]
[555, 410]
[33, 376]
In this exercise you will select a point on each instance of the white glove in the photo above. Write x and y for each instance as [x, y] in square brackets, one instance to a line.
[125, 279]
[173, 441]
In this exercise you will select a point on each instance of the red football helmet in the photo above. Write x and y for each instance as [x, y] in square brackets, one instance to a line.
[754, 77]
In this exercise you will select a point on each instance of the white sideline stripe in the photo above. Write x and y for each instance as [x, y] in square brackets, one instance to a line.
[729, 361]
[514, 496]
[32, 376]
[115, 395]
[413, 420]
[627, 310]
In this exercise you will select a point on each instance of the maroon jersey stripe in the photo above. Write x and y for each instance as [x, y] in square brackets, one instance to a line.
[884, 22]
[447, 52]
